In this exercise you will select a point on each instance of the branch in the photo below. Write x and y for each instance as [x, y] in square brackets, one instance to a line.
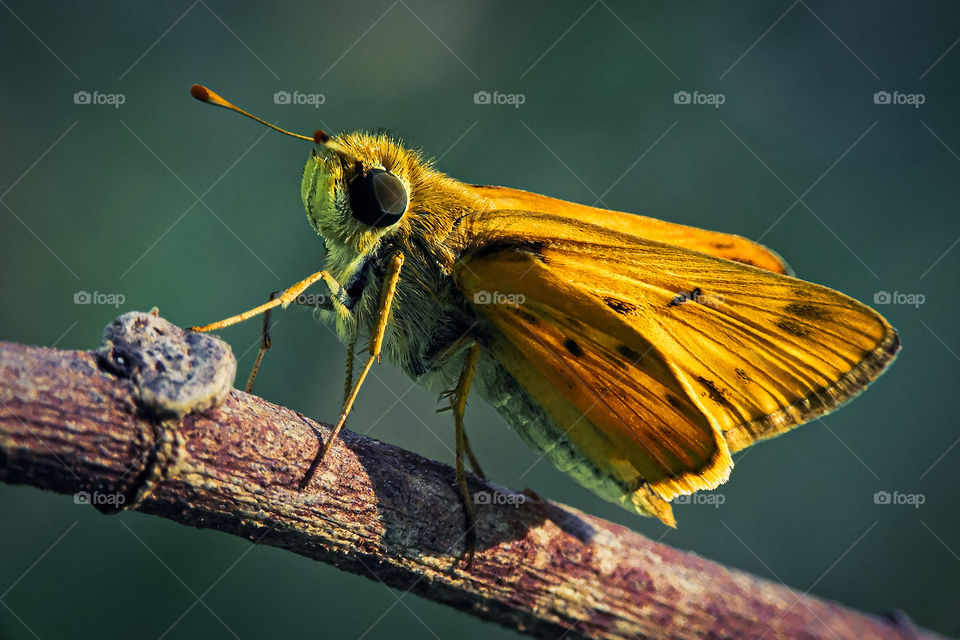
[108, 426]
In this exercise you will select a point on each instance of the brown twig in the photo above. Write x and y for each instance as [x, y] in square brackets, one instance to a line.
[71, 423]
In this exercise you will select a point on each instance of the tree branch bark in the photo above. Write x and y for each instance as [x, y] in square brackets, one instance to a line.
[72, 423]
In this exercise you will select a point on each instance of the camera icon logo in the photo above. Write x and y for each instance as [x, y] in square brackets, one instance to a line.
[482, 297]
[881, 297]
[481, 97]
[881, 97]
[82, 297]
[881, 497]
[81, 497]
[81, 97]
[481, 497]
[681, 97]
[281, 97]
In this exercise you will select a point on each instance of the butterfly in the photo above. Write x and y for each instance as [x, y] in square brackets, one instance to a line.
[634, 354]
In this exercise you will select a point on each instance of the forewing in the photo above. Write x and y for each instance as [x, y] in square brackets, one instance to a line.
[741, 350]
[721, 245]
[607, 387]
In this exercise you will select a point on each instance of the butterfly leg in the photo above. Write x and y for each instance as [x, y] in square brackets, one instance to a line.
[474, 464]
[292, 295]
[464, 342]
[285, 299]
[463, 447]
[265, 341]
[391, 279]
[264, 345]
[348, 383]
[472, 458]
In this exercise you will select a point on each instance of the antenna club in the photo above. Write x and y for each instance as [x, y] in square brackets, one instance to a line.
[203, 94]
[200, 92]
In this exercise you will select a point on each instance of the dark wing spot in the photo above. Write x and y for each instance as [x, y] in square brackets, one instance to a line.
[573, 347]
[621, 306]
[534, 247]
[743, 375]
[629, 353]
[722, 245]
[617, 361]
[696, 295]
[715, 392]
[792, 328]
[675, 402]
[526, 316]
[808, 311]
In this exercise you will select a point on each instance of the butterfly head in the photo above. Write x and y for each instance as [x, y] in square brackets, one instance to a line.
[359, 188]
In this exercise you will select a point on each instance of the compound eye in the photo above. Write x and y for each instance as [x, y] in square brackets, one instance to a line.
[378, 198]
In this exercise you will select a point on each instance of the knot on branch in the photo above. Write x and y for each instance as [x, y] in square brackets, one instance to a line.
[173, 372]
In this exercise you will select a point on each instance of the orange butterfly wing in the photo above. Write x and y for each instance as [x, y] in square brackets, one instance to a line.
[721, 245]
[657, 361]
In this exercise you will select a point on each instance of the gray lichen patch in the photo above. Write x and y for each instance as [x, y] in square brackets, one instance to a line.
[173, 372]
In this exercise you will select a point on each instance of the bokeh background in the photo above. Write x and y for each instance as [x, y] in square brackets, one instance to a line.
[167, 202]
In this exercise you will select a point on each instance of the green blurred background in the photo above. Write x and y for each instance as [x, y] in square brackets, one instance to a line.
[104, 199]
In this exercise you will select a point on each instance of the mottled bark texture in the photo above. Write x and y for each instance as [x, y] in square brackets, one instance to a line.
[110, 424]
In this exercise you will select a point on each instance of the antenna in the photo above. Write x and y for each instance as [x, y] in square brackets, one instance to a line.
[320, 137]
